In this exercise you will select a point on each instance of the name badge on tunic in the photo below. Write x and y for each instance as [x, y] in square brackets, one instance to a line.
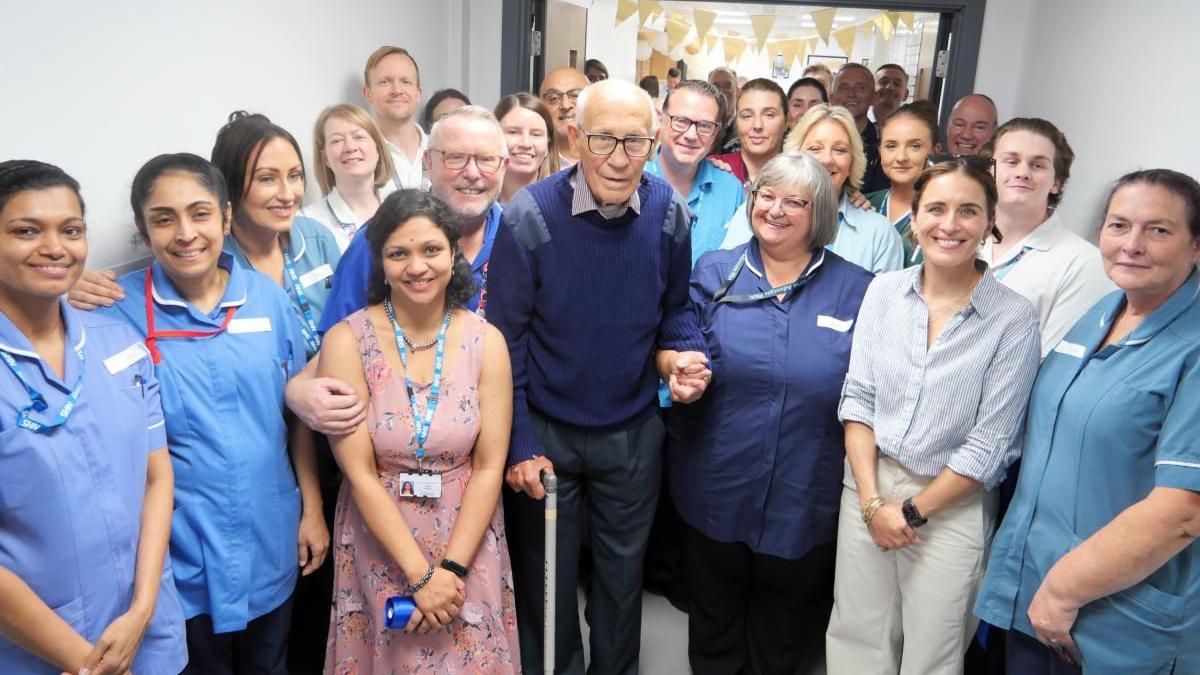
[426, 485]
[316, 274]
[125, 358]
[1070, 349]
[840, 325]
[252, 324]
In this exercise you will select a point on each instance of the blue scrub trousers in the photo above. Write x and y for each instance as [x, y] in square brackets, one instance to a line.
[1025, 655]
[258, 649]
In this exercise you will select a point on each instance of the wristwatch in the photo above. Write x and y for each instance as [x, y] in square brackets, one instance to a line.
[911, 515]
[457, 569]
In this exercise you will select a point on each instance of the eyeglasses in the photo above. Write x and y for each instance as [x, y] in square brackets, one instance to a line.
[553, 97]
[791, 206]
[457, 161]
[605, 144]
[680, 125]
[983, 164]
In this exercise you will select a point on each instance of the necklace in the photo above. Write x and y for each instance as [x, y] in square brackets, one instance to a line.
[419, 347]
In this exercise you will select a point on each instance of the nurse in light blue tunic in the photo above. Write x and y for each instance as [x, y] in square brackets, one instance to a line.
[85, 504]
[1097, 560]
[224, 341]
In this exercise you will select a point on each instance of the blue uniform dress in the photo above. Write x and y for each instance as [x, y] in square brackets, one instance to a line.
[237, 505]
[758, 459]
[353, 274]
[314, 252]
[71, 500]
[1105, 427]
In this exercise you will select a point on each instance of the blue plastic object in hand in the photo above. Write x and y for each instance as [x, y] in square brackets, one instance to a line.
[397, 611]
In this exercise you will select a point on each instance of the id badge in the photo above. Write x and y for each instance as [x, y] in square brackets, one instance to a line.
[422, 485]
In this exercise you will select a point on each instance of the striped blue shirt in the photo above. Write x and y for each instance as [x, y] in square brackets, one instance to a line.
[959, 404]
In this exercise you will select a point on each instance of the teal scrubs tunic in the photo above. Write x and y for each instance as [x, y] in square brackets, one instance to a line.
[71, 500]
[237, 505]
[1105, 427]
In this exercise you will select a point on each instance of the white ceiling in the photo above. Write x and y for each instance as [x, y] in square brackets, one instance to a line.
[792, 20]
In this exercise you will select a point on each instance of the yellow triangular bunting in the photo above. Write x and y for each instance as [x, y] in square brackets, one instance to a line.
[845, 39]
[885, 26]
[704, 21]
[625, 9]
[762, 24]
[824, 20]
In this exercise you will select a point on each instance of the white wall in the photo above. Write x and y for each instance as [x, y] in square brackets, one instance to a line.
[99, 88]
[1115, 76]
[615, 46]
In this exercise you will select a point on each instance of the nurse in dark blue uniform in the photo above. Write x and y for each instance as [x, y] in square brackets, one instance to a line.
[85, 479]
[756, 464]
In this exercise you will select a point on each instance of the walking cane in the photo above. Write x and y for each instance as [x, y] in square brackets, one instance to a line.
[550, 481]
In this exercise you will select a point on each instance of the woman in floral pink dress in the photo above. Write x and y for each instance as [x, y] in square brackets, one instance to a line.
[419, 512]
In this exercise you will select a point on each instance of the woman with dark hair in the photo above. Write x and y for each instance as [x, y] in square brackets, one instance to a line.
[940, 371]
[85, 478]
[529, 133]
[1095, 566]
[442, 102]
[760, 117]
[802, 95]
[439, 389]
[908, 138]
[224, 341]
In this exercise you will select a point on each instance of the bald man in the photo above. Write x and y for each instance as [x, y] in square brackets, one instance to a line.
[589, 285]
[972, 124]
[560, 92]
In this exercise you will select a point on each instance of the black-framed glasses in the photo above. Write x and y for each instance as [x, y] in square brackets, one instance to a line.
[457, 161]
[791, 206]
[681, 124]
[553, 97]
[605, 144]
[983, 164]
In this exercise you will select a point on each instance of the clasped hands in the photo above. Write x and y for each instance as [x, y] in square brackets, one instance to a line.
[438, 602]
[890, 530]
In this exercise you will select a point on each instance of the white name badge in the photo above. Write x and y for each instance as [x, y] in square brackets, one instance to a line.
[316, 274]
[125, 358]
[840, 325]
[252, 324]
[1070, 349]
[426, 485]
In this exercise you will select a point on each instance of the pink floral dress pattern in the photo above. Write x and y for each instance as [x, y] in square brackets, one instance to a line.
[483, 637]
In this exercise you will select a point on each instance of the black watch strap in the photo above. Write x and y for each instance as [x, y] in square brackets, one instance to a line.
[451, 566]
[911, 515]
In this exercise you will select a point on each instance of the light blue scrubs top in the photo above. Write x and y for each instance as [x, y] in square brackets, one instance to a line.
[237, 505]
[715, 197]
[71, 500]
[1105, 427]
[315, 254]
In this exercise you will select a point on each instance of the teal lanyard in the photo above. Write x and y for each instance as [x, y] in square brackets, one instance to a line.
[722, 293]
[37, 402]
[308, 324]
[421, 423]
[1002, 271]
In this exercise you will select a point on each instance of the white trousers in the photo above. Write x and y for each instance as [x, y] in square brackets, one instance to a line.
[907, 611]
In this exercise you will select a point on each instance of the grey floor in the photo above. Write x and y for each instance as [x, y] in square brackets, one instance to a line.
[664, 637]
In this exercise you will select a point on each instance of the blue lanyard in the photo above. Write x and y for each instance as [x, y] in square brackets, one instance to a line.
[37, 402]
[722, 293]
[308, 325]
[348, 228]
[421, 424]
[1002, 271]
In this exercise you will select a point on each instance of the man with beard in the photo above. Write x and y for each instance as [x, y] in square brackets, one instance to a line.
[392, 87]
[560, 91]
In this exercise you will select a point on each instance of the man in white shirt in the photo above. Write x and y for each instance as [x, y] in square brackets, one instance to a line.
[392, 87]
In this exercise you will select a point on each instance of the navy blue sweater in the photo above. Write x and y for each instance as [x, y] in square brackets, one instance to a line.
[585, 302]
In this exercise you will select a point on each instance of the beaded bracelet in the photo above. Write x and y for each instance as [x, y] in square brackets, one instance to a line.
[871, 507]
[424, 580]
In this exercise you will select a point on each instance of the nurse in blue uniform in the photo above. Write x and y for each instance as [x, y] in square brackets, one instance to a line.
[1096, 562]
[85, 504]
[224, 340]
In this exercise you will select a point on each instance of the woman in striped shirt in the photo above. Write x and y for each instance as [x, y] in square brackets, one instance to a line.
[940, 371]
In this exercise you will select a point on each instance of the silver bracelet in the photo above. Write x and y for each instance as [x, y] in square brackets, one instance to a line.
[424, 580]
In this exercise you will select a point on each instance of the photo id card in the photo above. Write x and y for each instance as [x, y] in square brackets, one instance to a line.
[425, 485]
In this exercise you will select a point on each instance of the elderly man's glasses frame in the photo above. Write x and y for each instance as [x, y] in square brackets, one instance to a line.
[606, 144]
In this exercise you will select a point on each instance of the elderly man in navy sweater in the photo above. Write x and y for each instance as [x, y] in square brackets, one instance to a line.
[589, 285]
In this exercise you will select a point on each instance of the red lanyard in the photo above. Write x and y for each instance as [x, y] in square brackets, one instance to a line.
[152, 335]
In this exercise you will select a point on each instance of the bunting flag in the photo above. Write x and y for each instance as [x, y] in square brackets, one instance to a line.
[824, 20]
[676, 31]
[907, 18]
[788, 49]
[625, 9]
[734, 48]
[845, 39]
[704, 21]
[646, 8]
[710, 43]
[885, 26]
[802, 52]
[762, 24]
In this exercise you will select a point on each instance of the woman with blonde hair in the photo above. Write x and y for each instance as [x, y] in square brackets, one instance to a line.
[354, 175]
[529, 134]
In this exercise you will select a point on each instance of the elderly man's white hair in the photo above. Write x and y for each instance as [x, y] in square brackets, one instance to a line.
[615, 89]
[474, 111]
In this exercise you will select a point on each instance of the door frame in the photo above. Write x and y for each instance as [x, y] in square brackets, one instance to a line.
[520, 69]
